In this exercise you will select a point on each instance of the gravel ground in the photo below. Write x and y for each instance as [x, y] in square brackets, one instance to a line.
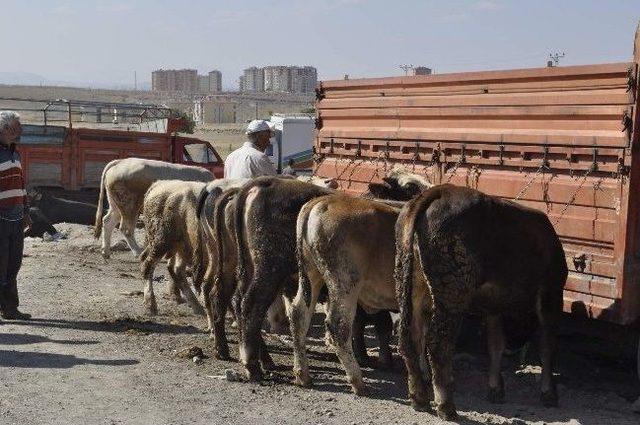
[90, 356]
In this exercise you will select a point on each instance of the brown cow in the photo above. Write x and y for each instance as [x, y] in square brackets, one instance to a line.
[173, 232]
[265, 217]
[348, 245]
[216, 214]
[477, 252]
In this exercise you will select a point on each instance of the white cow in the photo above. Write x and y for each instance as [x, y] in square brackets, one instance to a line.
[125, 182]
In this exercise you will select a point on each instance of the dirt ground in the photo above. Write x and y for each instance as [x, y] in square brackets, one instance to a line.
[90, 356]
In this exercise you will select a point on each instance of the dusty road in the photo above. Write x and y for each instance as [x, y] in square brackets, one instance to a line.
[91, 357]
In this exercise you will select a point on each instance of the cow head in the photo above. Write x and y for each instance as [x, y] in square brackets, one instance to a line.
[329, 183]
[400, 185]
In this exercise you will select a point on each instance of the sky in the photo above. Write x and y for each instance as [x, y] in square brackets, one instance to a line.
[93, 42]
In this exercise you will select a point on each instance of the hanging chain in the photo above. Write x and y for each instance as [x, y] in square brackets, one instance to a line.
[526, 187]
[454, 169]
[574, 195]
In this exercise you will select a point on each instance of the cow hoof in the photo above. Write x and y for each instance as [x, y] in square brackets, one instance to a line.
[222, 354]
[359, 389]
[385, 362]
[106, 255]
[366, 361]
[421, 406]
[176, 299]
[302, 380]
[447, 412]
[253, 373]
[199, 311]
[268, 364]
[496, 395]
[151, 307]
[549, 399]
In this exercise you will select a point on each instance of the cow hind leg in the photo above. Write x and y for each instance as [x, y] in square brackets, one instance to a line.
[177, 271]
[148, 266]
[359, 345]
[384, 329]
[441, 340]
[277, 317]
[495, 337]
[253, 307]
[109, 223]
[127, 227]
[219, 300]
[547, 317]
[339, 322]
[300, 315]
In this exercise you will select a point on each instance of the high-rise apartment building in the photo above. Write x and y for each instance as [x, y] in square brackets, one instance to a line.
[182, 80]
[215, 81]
[252, 80]
[277, 78]
[303, 79]
[285, 79]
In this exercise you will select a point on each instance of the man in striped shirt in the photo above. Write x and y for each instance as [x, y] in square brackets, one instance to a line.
[14, 215]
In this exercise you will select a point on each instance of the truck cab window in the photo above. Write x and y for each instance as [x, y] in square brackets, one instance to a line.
[199, 153]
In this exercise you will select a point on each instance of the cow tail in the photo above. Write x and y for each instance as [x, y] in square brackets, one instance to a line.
[241, 200]
[301, 233]
[219, 226]
[404, 265]
[199, 261]
[97, 228]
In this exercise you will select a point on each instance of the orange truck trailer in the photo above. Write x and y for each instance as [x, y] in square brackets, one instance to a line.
[564, 140]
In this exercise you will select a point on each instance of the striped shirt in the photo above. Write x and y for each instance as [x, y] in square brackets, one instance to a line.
[13, 197]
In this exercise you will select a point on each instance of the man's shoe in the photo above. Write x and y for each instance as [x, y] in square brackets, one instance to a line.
[16, 315]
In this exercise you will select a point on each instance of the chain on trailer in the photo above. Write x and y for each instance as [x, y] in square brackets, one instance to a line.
[574, 195]
[461, 160]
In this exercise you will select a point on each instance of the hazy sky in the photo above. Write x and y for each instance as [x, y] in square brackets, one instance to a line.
[105, 41]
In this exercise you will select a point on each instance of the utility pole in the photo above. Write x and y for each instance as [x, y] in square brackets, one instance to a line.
[554, 59]
[406, 68]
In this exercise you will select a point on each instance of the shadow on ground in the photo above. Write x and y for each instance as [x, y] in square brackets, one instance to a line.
[34, 360]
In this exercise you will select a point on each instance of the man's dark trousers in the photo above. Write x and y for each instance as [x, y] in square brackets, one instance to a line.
[11, 247]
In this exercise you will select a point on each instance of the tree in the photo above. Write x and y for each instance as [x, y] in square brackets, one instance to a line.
[189, 125]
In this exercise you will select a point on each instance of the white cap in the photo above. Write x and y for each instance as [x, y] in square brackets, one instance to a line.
[256, 126]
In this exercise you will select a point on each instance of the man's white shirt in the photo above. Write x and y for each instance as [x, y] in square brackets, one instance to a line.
[247, 162]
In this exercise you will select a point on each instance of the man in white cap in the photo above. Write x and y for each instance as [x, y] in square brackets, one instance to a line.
[250, 160]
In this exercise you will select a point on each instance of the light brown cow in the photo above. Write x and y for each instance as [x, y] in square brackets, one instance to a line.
[348, 245]
[173, 233]
[125, 182]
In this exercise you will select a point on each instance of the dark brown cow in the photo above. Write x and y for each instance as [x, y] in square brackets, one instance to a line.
[477, 252]
[265, 223]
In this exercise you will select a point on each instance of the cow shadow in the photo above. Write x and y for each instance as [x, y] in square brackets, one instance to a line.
[471, 370]
[116, 325]
[26, 339]
[35, 360]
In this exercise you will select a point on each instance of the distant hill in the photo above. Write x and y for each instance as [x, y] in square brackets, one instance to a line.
[23, 79]
[31, 79]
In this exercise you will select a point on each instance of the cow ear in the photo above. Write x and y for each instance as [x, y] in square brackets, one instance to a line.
[390, 181]
[413, 188]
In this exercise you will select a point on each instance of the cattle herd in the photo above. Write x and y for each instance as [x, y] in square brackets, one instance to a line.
[431, 253]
